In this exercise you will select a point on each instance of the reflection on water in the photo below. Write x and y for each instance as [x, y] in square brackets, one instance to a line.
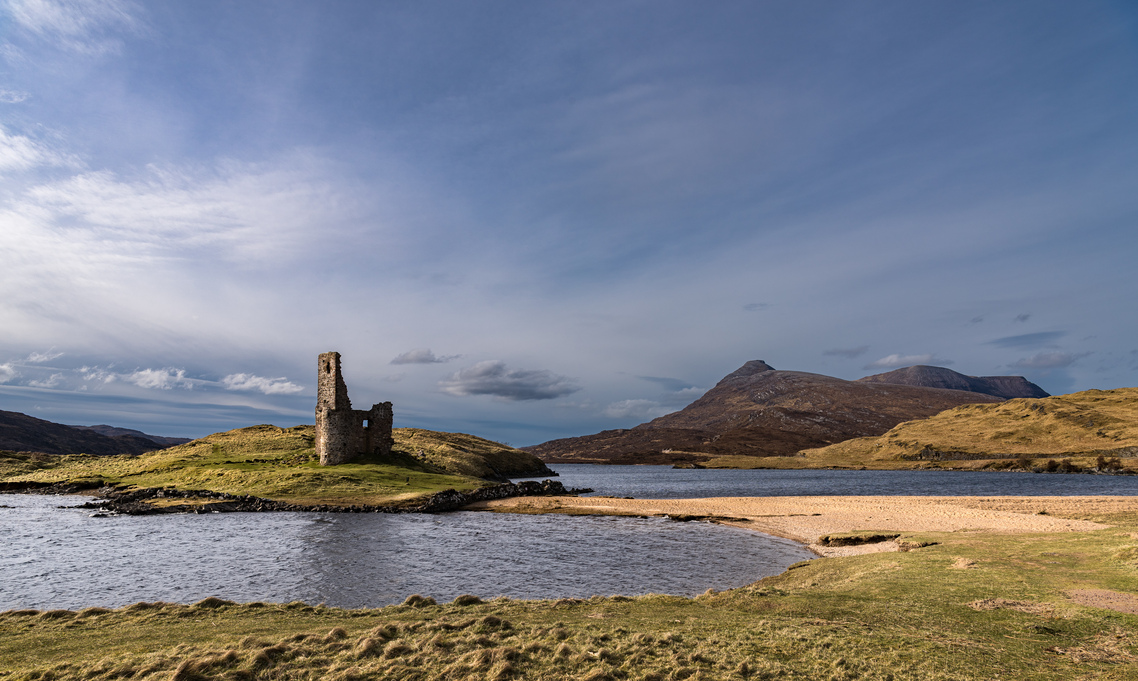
[63, 558]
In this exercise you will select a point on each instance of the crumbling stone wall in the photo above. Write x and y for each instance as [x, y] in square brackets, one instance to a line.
[343, 433]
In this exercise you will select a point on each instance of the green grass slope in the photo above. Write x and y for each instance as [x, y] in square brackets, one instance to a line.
[281, 464]
[1030, 433]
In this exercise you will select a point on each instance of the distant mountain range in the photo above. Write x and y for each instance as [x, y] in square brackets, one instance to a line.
[1007, 387]
[23, 433]
[760, 411]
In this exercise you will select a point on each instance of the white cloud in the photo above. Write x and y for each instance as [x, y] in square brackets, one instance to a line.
[267, 386]
[639, 409]
[97, 374]
[422, 356]
[492, 377]
[1048, 360]
[159, 379]
[895, 360]
[13, 96]
[38, 357]
[8, 372]
[49, 382]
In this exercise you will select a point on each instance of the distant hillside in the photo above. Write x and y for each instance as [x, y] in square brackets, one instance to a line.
[112, 431]
[23, 433]
[1089, 423]
[759, 411]
[1007, 387]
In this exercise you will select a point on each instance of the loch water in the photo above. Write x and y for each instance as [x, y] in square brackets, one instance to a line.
[54, 555]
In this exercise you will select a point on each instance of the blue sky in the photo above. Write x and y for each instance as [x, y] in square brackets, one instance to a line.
[533, 220]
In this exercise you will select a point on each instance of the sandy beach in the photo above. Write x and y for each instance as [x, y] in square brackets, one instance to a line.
[805, 519]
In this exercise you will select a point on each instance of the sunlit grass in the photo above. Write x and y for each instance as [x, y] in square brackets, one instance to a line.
[281, 464]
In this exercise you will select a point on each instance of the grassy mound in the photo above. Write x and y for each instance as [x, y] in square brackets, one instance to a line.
[1091, 430]
[281, 464]
[967, 606]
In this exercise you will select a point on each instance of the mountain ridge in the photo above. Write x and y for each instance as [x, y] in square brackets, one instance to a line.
[1007, 387]
[760, 411]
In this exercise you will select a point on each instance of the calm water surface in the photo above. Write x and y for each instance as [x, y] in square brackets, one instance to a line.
[64, 558]
[665, 482]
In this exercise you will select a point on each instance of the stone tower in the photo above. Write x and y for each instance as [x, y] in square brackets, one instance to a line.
[343, 433]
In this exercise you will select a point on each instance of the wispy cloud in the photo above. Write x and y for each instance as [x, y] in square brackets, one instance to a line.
[638, 409]
[756, 307]
[1045, 361]
[87, 26]
[21, 153]
[38, 357]
[1028, 340]
[895, 361]
[1021, 318]
[267, 386]
[8, 372]
[13, 96]
[159, 379]
[493, 377]
[422, 356]
[847, 352]
[49, 382]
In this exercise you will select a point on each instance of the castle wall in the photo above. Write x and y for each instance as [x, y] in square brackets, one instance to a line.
[340, 431]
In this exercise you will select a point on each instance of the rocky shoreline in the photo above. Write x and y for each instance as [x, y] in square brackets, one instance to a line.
[115, 501]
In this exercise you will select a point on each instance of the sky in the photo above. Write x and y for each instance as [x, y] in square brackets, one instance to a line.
[530, 220]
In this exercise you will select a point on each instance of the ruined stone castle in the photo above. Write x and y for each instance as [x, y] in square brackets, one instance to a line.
[343, 433]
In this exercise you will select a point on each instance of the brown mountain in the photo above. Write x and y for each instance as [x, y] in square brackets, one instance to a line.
[1007, 387]
[114, 431]
[23, 433]
[759, 411]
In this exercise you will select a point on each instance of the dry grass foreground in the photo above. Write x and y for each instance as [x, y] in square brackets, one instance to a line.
[1084, 425]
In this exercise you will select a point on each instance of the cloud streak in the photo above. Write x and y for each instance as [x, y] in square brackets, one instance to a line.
[265, 386]
[422, 356]
[493, 377]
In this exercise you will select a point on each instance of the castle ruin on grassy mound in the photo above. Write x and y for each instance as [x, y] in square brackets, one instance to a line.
[343, 433]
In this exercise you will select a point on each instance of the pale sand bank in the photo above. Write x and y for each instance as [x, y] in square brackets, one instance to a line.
[805, 519]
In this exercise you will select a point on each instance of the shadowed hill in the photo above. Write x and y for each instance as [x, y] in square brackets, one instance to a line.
[759, 411]
[1090, 423]
[114, 431]
[23, 433]
[1007, 387]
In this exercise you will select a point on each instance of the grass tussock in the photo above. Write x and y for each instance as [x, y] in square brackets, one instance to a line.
[965, 606]
[281, 464]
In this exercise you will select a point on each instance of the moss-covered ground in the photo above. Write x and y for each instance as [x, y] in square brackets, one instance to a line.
[966, 606]
[281, 464]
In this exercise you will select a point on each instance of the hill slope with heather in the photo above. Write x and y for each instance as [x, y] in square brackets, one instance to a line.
[1084, 425]
[23, 433]
[758, 411]
[1006, 387]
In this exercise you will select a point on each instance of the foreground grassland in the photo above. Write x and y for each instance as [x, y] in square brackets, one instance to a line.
[1085, 431]
[971, 606]
[280, 464]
